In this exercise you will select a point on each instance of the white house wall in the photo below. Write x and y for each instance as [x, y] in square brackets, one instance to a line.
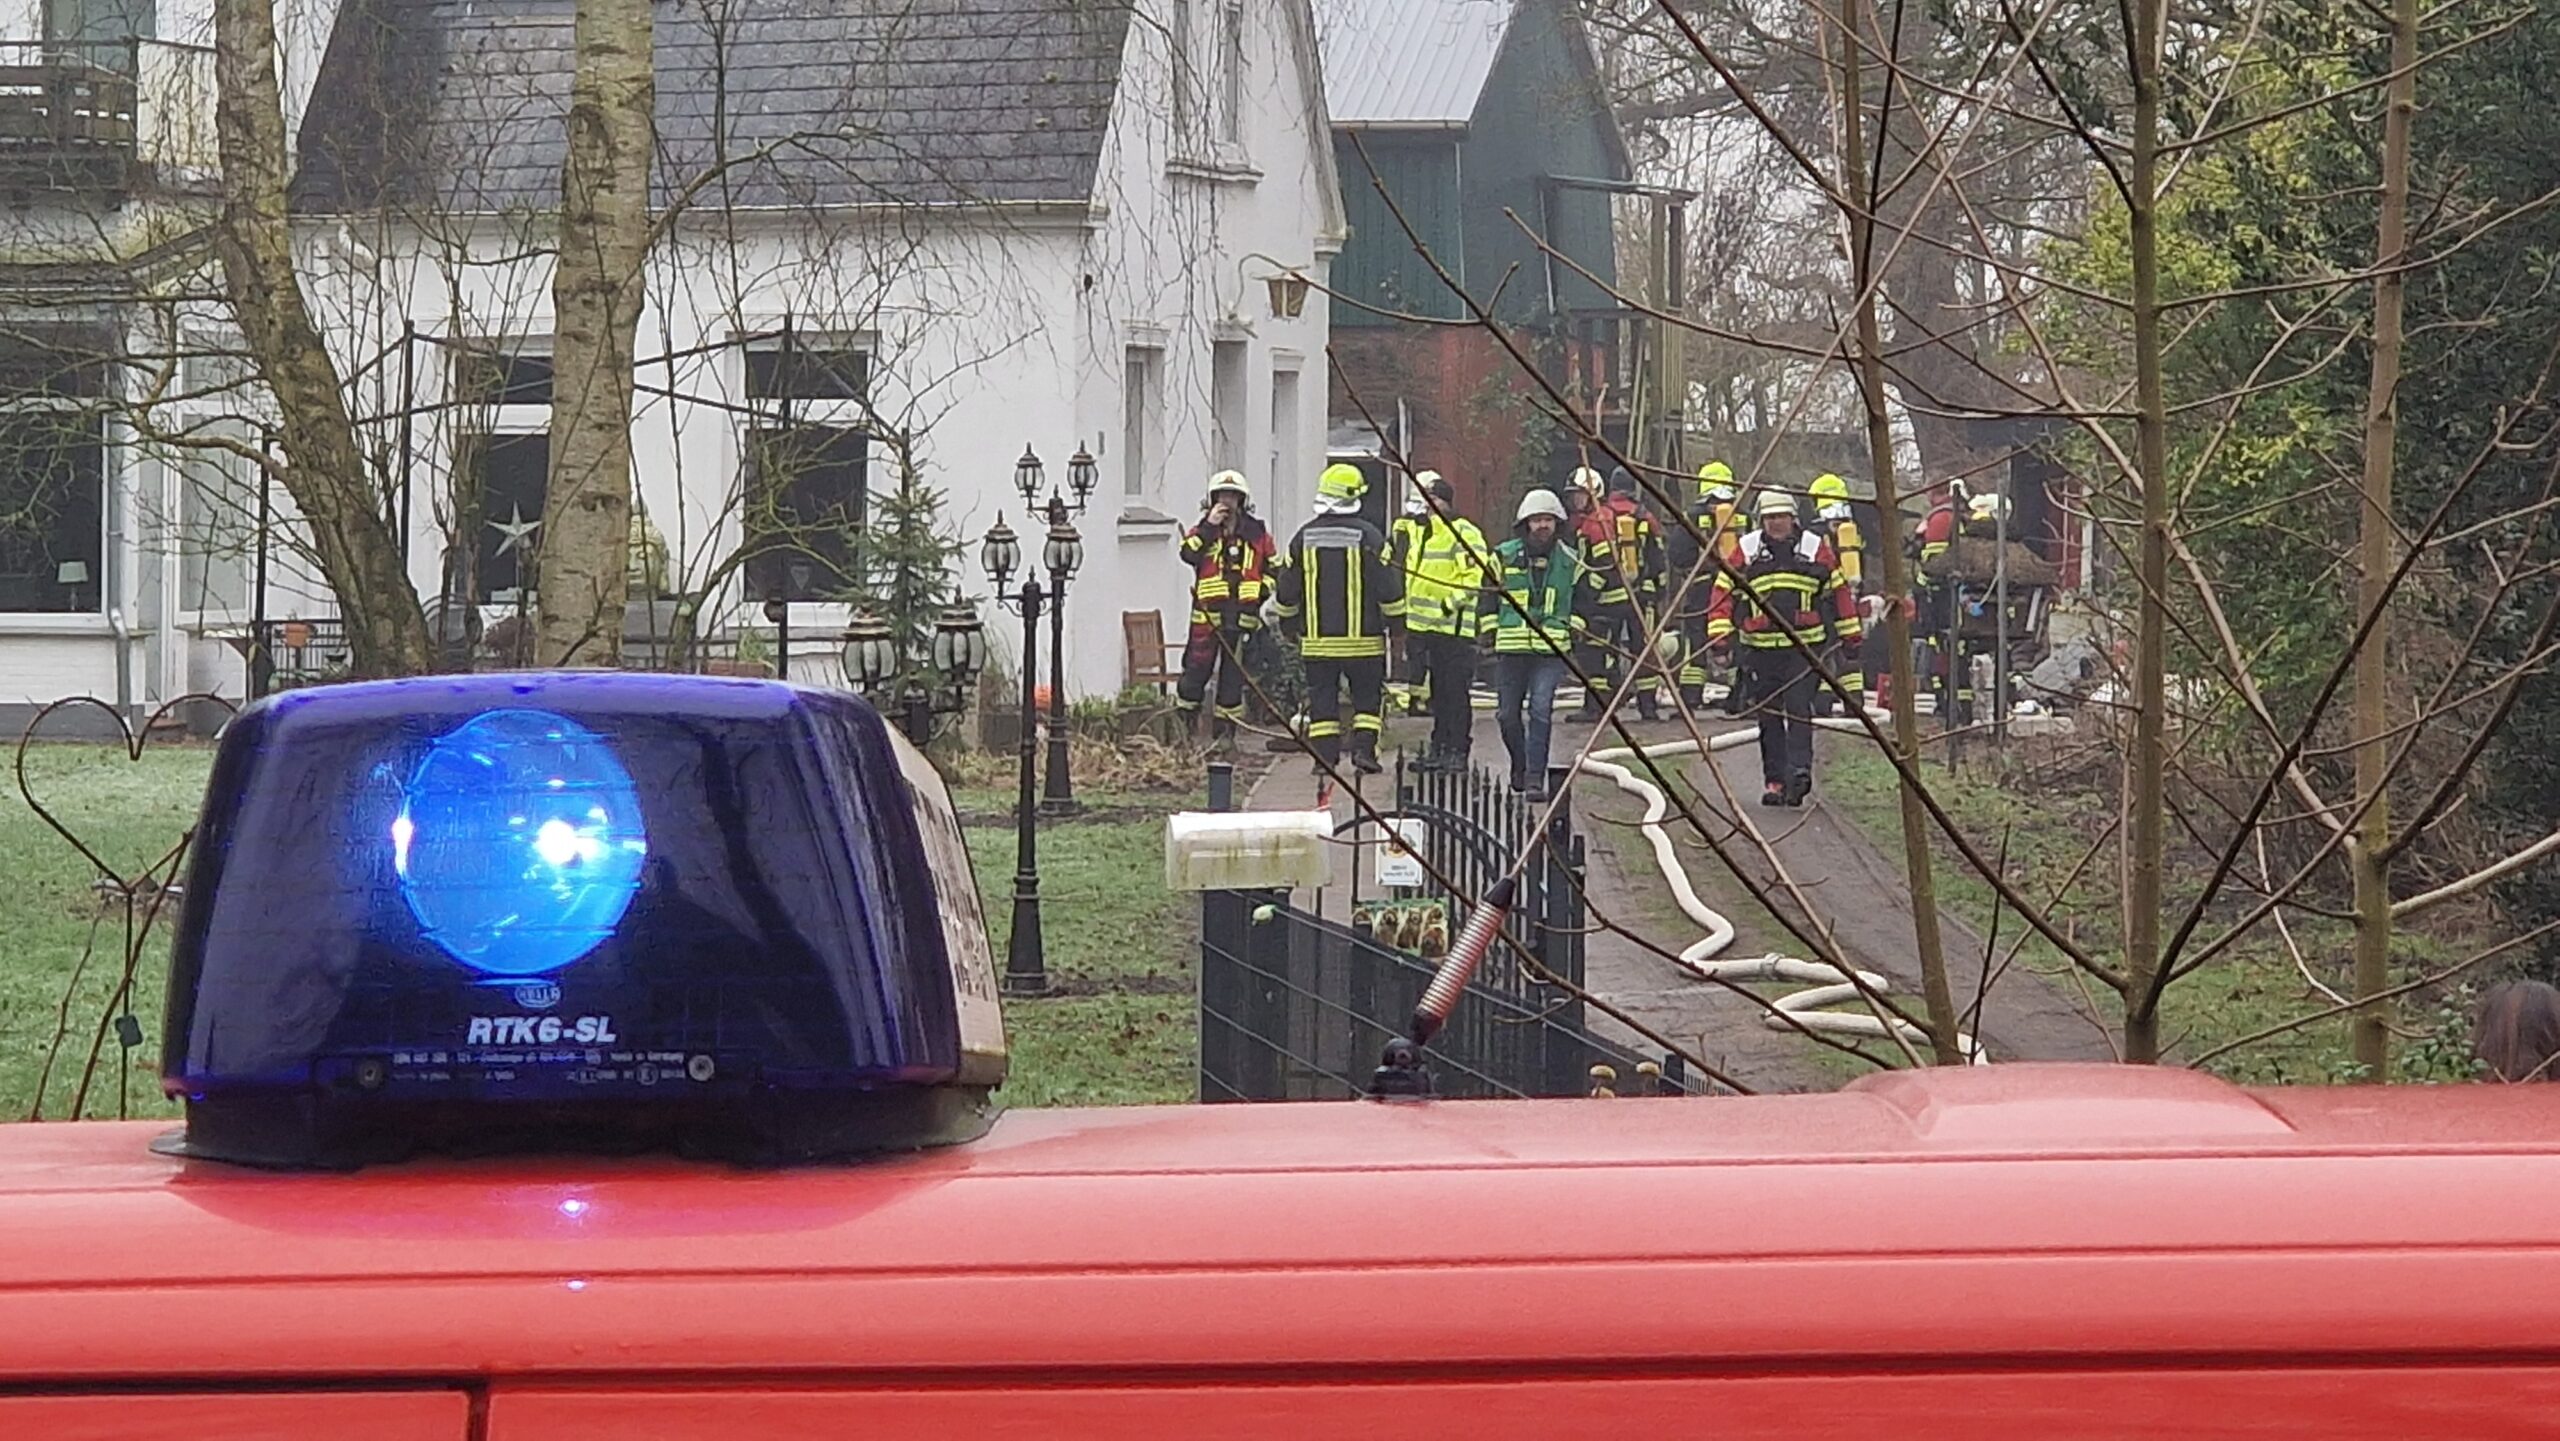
[992, 331]
[970, 328]
[1180, 260]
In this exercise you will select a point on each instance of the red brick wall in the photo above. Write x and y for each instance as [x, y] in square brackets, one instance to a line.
[1474, 414]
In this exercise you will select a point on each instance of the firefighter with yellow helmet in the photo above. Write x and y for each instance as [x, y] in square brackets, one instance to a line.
[1836, 521]
[1338, 587]
[1711, 526]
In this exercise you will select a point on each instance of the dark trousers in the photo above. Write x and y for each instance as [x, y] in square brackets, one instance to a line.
[1693, 657]
[1446, 664]
[1610, 655]
[1524, 690]
[1366, 679]
[1210, 652]
[1782, 687]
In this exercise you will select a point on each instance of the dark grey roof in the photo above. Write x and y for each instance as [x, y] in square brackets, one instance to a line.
[458, 105]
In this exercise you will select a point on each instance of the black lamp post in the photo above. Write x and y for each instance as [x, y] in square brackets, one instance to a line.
[1062, 554]
[1026, 965]
[874, 657]
[778, 611]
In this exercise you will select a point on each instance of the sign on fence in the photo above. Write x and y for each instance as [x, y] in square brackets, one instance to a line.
[1400, 854]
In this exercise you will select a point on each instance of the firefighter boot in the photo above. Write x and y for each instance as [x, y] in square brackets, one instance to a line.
[1364, 751]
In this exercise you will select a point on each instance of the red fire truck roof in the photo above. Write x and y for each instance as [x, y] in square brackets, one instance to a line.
[2014, 1210]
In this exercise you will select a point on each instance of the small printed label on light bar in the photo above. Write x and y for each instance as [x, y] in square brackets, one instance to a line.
[539, 1030]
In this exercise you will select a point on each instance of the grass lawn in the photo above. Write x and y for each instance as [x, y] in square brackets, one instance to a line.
[2249, 987]
[131, 813]
[1122, 950]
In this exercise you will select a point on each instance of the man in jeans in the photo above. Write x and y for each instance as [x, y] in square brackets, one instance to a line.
[1537, 592]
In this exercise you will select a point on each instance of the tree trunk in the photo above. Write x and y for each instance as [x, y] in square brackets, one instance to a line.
[323, 468]
[2369, 858]
[596, 291]
[2147, 828]
[1855, 184]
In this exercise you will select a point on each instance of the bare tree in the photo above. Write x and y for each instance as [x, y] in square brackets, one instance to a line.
[320, 461]
[597, 287]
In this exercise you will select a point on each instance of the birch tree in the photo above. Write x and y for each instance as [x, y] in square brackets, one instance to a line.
[597, 288]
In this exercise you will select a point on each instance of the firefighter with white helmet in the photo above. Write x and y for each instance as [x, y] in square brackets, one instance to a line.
[1337, 584]
[1229, 551]
[1537, 592]
[1783, 604]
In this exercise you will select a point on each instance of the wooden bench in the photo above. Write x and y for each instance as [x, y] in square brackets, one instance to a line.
[1142, 636]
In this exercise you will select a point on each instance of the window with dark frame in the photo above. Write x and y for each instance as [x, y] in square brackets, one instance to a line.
[53, 464]
[807, 461]
[512, 472]
[508, 462]
[483, 377]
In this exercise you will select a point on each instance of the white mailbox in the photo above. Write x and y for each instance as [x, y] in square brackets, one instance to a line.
[1247, 850]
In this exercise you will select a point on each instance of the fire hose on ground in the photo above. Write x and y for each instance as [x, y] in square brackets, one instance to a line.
[1827, 984]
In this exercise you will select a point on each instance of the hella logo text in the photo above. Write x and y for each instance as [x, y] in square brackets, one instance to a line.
[539, 1030]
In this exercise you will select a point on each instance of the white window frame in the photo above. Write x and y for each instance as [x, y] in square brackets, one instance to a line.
[1184, 93]
[1142, 433]
[1286, 459]
[109, 450]
[1230, 79]
[240, 475]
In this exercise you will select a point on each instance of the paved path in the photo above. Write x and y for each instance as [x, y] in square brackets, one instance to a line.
[1862, 892]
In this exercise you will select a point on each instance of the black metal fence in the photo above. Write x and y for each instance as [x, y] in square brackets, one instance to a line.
[1297, 1007]
[1473, 827]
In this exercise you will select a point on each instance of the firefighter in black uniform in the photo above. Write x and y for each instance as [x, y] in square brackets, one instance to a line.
[1339, 587]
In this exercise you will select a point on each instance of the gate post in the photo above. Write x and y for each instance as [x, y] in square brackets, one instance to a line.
[1562, 914]
[1223, 918]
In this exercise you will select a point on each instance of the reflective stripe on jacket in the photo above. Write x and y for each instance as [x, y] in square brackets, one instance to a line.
[1443, 562]
[1234, 566]
[1786, 589]
[1337, 579]
[1534, 604]
[1626, 554]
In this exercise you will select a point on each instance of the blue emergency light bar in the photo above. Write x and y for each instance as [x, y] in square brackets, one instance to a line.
[591, 910]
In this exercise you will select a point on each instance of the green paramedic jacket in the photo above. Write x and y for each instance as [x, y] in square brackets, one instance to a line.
[1337, 581]
[1533, 605]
